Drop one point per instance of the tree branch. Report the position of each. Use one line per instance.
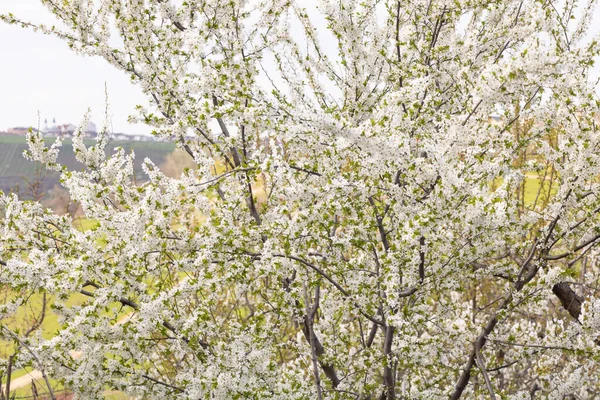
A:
(481, 366)
(570, 300)
(308, 322)
(576, 249)
(388, 371)
(331, 280)
(135, 306)
(162, 383)
(463, 381)
(37, 359)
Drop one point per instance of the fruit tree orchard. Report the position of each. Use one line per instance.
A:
(391, 199)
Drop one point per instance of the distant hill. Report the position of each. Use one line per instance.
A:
(14, 168)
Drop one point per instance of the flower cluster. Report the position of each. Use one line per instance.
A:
(391, 200)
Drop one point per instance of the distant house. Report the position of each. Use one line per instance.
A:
(120, 136)
(136, 138)
(18, 131)
(67, 130)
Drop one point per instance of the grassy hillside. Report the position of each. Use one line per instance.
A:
(15, 169)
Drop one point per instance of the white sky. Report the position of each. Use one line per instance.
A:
(40, 73)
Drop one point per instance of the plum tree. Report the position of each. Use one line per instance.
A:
(362, 176)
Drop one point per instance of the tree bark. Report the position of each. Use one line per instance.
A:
(570, 300)
(388, 372)
(328, 369)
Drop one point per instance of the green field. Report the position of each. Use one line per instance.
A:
(15, 170)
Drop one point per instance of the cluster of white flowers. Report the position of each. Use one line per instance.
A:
(362, 223)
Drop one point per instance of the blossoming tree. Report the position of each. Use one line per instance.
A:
(358, 225)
